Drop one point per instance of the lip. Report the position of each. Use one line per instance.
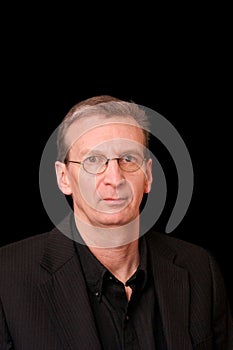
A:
(114, 198)
(115, 201)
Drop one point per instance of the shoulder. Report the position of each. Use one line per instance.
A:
(165, 241)
(24, 250)
(30, 249)
(182, 253)
(51, 248)
(200, 264)
(29, 242)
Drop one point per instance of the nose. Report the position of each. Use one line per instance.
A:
(113, 175)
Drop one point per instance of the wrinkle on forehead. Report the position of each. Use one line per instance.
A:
(83, 125)
(114, 148)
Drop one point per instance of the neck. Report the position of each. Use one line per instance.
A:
(121, 261)
(116, 248)
(108, 237)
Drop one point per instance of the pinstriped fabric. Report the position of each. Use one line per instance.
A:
(44, 303)
(171, 284)
(27, 320)
(41, 307)
(66, 298)
(201, 295)
(200, 289)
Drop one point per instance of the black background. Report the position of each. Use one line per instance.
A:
(178, 66)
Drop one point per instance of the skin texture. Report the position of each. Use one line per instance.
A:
(106, 206)
(111, 199)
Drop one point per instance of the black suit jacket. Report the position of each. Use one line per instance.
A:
(44, 303)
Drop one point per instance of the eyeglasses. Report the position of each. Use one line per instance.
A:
(97, 164)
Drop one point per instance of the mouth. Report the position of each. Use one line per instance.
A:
(111, 201)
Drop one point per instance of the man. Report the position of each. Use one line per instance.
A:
(96, 281)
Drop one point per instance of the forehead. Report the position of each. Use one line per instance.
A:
(98, 132)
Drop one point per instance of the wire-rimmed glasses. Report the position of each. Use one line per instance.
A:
(97, 164)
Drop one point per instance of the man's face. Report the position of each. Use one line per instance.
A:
(112, 198)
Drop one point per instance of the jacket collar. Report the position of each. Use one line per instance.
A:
(66, 297)
(172, 288)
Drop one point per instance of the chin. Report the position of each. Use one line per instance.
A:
(114, 220)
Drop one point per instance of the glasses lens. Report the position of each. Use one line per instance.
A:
(130, 162)
(95, 164)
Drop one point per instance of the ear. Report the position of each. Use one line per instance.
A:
(148, 176)
(62, 178)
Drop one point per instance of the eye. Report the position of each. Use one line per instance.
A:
(91, 159)
(95, 160)
(128, 158)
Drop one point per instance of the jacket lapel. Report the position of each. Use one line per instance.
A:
(172, 288)
(66, 298)
(65, 295)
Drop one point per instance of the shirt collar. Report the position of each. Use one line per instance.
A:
(95, 272)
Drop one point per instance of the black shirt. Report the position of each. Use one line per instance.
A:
(121, 324)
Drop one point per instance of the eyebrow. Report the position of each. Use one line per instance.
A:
(88, 152)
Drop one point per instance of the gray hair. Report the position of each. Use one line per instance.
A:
(113, 107)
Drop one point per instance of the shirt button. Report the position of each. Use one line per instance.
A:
(96, 294)
(110, 277)
(127, 317)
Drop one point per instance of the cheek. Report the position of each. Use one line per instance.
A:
(137, 187)
(87, 189)
(139, 190)
(90, 189)
(141, 184)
